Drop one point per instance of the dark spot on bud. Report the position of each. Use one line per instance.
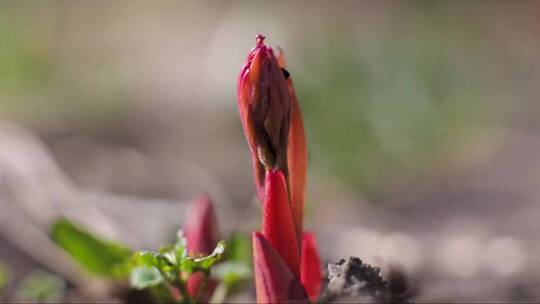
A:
(286, 73)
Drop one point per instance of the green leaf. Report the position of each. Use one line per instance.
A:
(100, 257)
(169, 256)
(144, 277)
(145, 258)
(190, 264)
(175, 253)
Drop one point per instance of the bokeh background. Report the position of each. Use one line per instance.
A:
(422, 120)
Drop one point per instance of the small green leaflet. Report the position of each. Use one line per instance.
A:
(170, 263)
(144, 277)
(190, 264)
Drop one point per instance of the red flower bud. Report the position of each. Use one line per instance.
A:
(202, 234)
(274, 129)
(264, 105)
(310, 271)
(274, 281)
(278, 225)
(201, 229)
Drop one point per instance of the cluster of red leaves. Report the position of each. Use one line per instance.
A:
(286, 263)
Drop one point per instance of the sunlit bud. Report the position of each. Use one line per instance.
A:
(264, 105)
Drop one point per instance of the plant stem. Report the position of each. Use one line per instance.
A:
(162, 292)
(178, 283)
(183, 291)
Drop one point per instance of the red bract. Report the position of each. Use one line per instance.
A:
(264, 106)
(273, 126)
(296, 155)
(202, 234)
(274, 282)
(277, 223)
(310, 271)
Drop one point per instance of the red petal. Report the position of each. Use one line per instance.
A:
(277, 225)
(274, 282)
(297, 162)
(244, 92)
(296, 155)
(310, 273)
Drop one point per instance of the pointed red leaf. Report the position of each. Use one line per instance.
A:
(310, 273)
(274, 282)
(297, 163)
(296, 155)
(277, 224)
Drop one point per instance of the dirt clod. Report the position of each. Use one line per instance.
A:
(353, 281)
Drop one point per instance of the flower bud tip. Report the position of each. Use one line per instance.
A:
(260, 39)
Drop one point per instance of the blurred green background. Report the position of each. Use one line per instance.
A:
(419, 114)
(388, 89)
